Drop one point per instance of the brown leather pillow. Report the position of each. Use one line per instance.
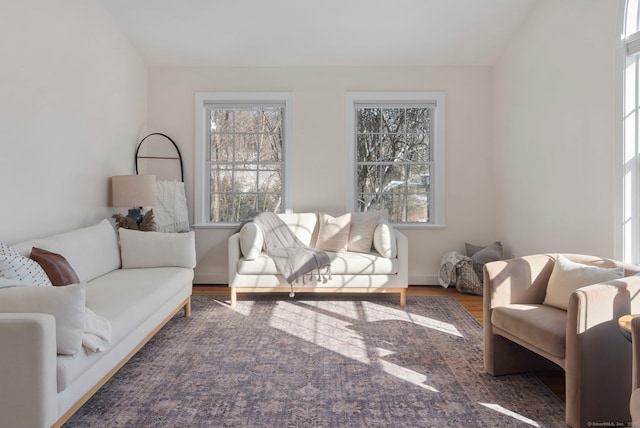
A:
(56, 266)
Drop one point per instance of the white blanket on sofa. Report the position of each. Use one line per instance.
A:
(97, 332)
(292, 258)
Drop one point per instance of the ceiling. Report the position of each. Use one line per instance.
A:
(319, 33)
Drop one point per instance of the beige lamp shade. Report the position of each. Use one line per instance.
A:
(133, 191)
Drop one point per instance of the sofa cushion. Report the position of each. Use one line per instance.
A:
(91, 251)
(567, 276)
(157, 249)
(543, 326)
(66, 304)
(251, 241)
(363, 226)
(16, 267)
(56, 267)
(127, 298)
(384, 240)
(301, 224)
(333, 232)
(341, 264)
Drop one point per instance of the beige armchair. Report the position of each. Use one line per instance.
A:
(522, 334)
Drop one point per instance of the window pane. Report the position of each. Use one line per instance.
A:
(221, 179)
(271, 148)
(269, 202)
(246, 148)
(393, 120)
(368, 120)
(245, 180)
(368, 148)
(221, 147)
(269, 180)
(247, 121)
(222, 121)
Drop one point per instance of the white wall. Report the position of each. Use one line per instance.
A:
(72, 105)
(555, 130)
(319, 145)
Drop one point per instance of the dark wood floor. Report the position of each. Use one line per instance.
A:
(473, 304)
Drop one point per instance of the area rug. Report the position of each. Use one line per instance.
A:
(318, 361)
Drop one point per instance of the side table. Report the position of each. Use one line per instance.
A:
(625, 325)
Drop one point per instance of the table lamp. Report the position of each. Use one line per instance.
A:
(133, 192)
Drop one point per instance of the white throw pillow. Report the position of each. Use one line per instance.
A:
(157, 249)
(567, 276)
(384, 240)
(333, 233)
(4, 283)
(65, 303)
(363, 226)
(15, 266)
(251, 241)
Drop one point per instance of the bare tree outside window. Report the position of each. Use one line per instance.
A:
(394, 161)
(245, 159)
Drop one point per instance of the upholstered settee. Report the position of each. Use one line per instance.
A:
(541, 314)
(54, 356)
(375, 260)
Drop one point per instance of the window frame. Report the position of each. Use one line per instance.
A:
(630, 127)
(437, 176)
(202, 190)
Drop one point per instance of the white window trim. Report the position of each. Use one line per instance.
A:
(438, 148)
(201, 188)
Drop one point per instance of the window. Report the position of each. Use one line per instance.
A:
(396, 155)
(631, 145)
(242, 143)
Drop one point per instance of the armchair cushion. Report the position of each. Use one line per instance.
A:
(542, 326)
(567, 276)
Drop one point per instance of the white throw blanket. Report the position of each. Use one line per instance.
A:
(170, 211)
(97, 332)
(457, 269)
(292, 258)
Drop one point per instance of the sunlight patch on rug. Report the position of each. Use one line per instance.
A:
(327, 331)
(510, 413)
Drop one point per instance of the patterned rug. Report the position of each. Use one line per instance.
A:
(316, 361)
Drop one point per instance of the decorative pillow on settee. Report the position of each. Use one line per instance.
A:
(363, 227)
(384, 240)
(333, 233)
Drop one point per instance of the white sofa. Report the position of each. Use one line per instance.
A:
(137, 285)
(383, 268)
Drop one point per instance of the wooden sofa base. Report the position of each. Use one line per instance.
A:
(237, 290)
(186, 304)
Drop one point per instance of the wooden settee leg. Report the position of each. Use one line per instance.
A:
(234, 296)
(403, 297)
(187, 307)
